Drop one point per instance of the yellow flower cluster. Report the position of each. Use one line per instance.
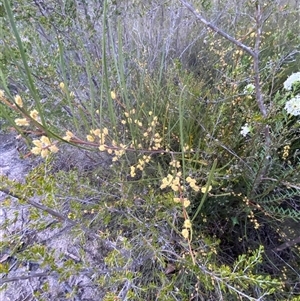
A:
(286, 151)
(187, 147)
(118, 152)
(141, 165)
(64, 90)
(72, 216)
(143, 162)
(129, 116)
(251, 215)
(187, 225)
(192, 183)
(172, 181)
(34, 114)
(154, 138)
(175, 163)
(204, 189)
(166, 181)
(69, 135)
(113, 95)
(185, 202)
(157, 139)
(132, 171)
(151, 138)
(99, 135)
(43, 147)
(253, 220)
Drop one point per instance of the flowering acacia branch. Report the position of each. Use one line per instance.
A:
(254, 53)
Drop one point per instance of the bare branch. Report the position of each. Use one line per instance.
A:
(259, 96)
(217, 29)
(23, 277)
(60, 217)
(288, 244)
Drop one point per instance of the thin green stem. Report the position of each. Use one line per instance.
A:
(27, 77)
(209, 181)
(182, 140)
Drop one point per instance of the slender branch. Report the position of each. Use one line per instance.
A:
(91, 234)
(259, 96)
(23, 277)
(217, 29)
(229, 286)
(52, 212)
(288, 244)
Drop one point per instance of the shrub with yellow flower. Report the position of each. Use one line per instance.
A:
(43, 147)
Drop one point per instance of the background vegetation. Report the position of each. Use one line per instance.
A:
(170, 158)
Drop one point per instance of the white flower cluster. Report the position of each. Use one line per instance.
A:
(249, 89)
(295, 77)
(246, 129)
(292, 106)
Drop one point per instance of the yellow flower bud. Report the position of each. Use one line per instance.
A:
(45, 140)
(36, 150)
(54, 148)
(44, 153)
(18, 100)
(187, 224)
(203, 189)
(37, 143)
(113, 95)
(102, 148)
(186, 203)
(34, 114)
(185, 233)
(21, 122)
(90, 138)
